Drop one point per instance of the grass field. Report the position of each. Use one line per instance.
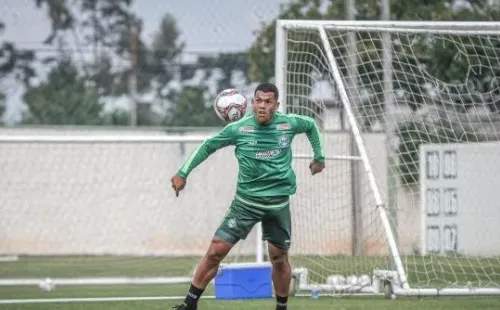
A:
(37, 267)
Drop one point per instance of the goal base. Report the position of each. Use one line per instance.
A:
(336, 284)
(382, 282)
(393, 288)
(429, 292)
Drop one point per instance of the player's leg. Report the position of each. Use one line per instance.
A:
(209, 264)
(206, 271)
(236, 225)
(277, 229)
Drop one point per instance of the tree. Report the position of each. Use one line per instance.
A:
(225, 70)
(2, 106)
(65, 99)
(119, 53)
(192, 109)
(165, 51)
(110, 25)
(228, 66)
(106, 27)
(14, 62)
(438, 56)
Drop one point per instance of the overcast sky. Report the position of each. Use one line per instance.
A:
(206, 26)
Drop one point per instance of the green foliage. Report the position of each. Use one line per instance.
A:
(103, 26)
(413, 134)
(440, 58)
(64, 99)
(112, 32)
(2, 106)
(117, 117)
(191, 109)
(228, 64)
(14, 62)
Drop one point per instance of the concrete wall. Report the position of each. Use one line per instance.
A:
(115, 198)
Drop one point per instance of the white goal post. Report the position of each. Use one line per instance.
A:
(415, 83)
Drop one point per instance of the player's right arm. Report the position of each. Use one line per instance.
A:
(222, 139)
(208, 147)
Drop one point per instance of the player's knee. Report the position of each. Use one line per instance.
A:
(280, 260)
(217, 251)
(215, 256)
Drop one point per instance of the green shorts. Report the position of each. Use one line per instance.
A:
(244, 213)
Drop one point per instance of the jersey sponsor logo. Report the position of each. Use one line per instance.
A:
(284, 141)
(267, 154)
(247, 129)
(283, 126)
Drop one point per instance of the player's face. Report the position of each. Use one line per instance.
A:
(264, 106)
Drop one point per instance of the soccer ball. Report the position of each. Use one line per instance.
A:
(47, 285)
(230, 105)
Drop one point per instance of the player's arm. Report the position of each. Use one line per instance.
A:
(209, 146)
(307, 125)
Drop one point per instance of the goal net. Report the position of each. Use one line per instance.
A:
(388, 94)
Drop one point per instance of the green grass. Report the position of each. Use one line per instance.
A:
(483, 303)
(294, 304)
(422, 269)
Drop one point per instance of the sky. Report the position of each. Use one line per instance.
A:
(207, 26)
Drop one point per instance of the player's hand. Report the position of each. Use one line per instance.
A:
(316, 167)
(178, 184)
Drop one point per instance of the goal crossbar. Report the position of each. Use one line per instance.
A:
(409, 25)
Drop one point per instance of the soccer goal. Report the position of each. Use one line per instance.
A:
(416, 106)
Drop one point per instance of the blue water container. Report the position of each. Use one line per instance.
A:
(244, 281)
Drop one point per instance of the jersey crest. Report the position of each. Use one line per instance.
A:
(284, 141)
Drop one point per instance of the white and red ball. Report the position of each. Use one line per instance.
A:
(230, 105)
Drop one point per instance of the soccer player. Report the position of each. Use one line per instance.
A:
(266, 180)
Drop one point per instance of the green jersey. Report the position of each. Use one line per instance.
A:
(263, 152)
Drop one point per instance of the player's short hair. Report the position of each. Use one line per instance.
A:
(268, 88)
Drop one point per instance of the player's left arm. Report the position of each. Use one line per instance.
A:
(307, 125)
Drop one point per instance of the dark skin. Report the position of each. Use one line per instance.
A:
(264, 105)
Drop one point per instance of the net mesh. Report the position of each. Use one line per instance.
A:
(444, 88)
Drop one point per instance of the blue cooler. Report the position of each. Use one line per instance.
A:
(244, 281)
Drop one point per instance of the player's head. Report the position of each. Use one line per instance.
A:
(265, 102)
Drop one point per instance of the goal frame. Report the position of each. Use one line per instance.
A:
(396, 281)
